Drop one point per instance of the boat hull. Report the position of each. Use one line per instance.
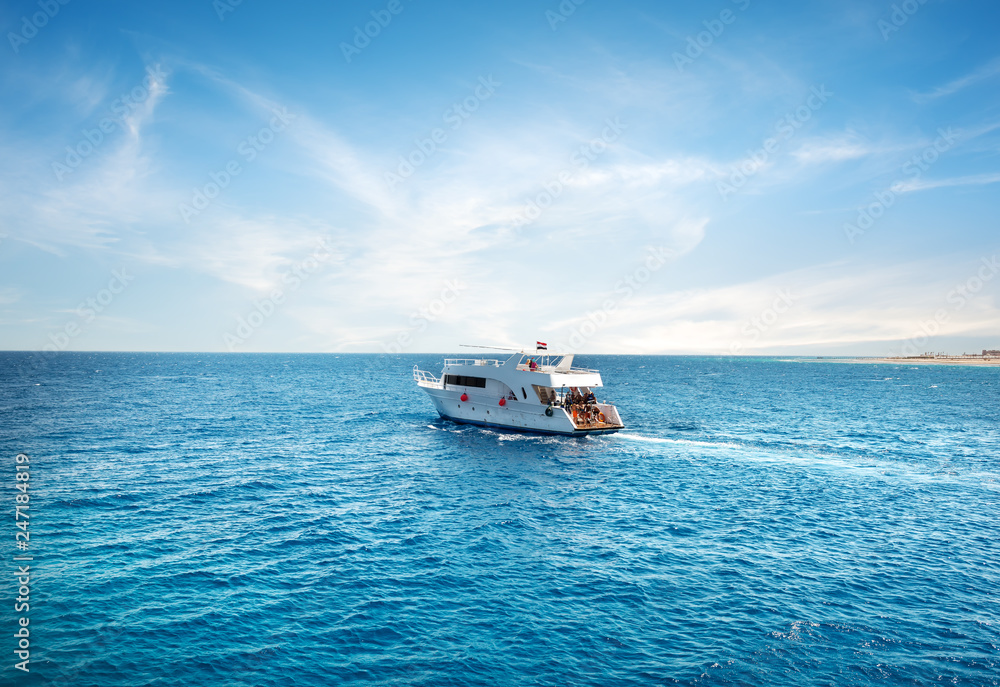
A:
(511, 428)
(519, 416)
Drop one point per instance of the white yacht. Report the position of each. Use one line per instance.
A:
(529, 392)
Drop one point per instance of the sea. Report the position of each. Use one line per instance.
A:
(277, 519)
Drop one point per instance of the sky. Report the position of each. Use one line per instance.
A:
(637, 177)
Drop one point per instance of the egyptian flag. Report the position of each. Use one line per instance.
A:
(539, 346)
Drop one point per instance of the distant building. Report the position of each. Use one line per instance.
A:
(991, 353)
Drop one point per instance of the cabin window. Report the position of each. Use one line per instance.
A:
(462, 380)
(524, 393)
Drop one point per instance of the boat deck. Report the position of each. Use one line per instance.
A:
(598, 425)
(586, 418)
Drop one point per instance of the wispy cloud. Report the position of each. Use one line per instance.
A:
(10, 295)
(987, 71)
(103, 198)
(456, 216)
(831, 305)
(820, 150)
(928, 184)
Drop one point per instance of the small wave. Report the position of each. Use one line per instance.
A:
(639, 437)
(812, 456)
(683, 442)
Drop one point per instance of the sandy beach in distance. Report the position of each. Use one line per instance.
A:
(984, 362)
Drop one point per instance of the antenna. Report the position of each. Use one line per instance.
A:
(493, 348)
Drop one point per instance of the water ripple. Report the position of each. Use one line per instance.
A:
(260, 520)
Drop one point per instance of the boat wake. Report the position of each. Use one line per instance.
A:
(821, 457)
(678, 442)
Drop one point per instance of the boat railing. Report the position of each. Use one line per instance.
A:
(423, 378)
(552, 369)
(610, 413)
(472, 361)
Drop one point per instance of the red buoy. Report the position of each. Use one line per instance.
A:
(503, 401)
(465, 397)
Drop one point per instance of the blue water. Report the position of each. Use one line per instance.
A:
(306, 519)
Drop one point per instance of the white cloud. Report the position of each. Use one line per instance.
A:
(9, 295)
(928, 184)
(92, 203)
(835, 149)
(987, 71)
(452, 220)
(823, 306)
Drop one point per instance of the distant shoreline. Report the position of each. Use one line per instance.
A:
(981, 362)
